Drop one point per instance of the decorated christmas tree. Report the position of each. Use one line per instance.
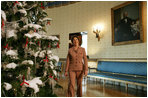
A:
(28, 64)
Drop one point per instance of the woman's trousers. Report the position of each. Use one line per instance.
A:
(73, 76)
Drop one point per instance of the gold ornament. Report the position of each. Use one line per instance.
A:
(31, 31)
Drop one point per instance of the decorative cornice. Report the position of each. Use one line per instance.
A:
(52, 4)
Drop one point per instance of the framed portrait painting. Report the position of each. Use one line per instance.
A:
(127, 23)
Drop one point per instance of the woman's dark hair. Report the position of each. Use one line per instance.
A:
(74, 37)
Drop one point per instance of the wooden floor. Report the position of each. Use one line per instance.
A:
(93, 89)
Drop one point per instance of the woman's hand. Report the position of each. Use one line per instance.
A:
(85, 73)
(66, 74)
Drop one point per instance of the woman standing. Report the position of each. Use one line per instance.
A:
(76, 66)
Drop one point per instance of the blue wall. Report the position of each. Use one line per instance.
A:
(138, 68)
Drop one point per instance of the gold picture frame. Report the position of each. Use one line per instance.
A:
(126, 22)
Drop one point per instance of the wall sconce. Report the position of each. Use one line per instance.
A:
(97, 29)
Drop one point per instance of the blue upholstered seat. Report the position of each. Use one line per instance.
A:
(127, 71)
(133, 78)
(137, 68)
